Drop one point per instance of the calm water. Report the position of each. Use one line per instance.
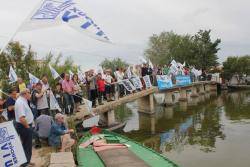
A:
(216, 132)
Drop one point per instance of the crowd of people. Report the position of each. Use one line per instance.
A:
(28, 106)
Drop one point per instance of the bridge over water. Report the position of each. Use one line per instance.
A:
(146, 100)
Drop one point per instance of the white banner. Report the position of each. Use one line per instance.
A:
(128, 85)
(12, 75)
(137, 83)
(11, 150)
(147, 81)
(129, 73)
(53, 13)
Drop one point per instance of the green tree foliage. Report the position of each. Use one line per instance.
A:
(236, 65)
(25, 60)
(113, 64)
(198, 50)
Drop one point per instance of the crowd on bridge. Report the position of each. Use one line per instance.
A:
(38, 110)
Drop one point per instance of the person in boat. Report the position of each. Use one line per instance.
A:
(59, 136)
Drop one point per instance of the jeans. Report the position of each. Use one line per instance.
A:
(92, 96)
(68, 103)
(26, 138)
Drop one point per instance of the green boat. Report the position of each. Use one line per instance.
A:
(134, 155)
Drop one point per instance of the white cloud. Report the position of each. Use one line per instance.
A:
(129, 23)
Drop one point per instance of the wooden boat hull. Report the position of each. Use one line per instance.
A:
(87, 157)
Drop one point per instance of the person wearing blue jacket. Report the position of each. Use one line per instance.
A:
(60, 135)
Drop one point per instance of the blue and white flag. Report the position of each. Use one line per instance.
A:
(12, 75)
(53, 103)
(54, 74)
(57, 12)
(33, 79)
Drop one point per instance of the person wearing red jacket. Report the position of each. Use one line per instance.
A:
(101, 88)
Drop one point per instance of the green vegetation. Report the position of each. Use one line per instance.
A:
(113, 64)
(25, 60)
(236, 65)
(198, 49)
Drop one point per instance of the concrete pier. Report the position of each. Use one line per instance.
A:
(169, 99)
(183, 94)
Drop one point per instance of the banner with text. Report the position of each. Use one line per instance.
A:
(183, 80)
(11, 150)
(164, 82)
(147, 81)
(137, 82)
(128, 85)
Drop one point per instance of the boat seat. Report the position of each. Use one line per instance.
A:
(121, 157)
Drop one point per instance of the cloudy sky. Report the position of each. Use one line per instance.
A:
(129, 24)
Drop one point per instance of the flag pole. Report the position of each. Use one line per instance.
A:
(18, 28)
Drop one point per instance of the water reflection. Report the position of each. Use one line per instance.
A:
(173, 128)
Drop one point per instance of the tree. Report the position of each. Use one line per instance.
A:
(113, 64)
(236, 65)
(205, 50)
(196, 50)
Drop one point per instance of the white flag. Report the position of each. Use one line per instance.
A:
(53, 13)
(12, 75)
(71, 74)
(150, 64)
(33, 79)
(142, 60)
(53, 72)
(12, 153)
(53, 102)
(81, 76)
(184, 64)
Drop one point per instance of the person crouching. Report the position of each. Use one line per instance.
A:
(59, 135)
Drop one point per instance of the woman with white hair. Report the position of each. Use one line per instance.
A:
(60, 135)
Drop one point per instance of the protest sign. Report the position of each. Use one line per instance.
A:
(164, 82)
(137, 82)
(11, 150)
(183, 80)
(128, 85)
(147, 81)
